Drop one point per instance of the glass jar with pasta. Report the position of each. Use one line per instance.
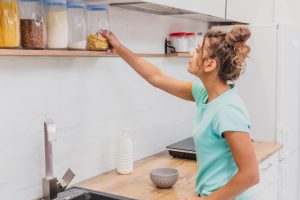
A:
(98, 19)
(9, 24)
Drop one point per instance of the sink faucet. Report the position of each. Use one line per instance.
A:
(51, 185)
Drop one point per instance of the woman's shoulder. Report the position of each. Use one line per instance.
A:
(234, 98)
(233, 102)
(232, 115)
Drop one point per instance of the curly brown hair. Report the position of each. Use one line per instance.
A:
(229, 49)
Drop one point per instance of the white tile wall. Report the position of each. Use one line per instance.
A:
(90, 99)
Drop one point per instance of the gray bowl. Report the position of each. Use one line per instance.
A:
(164, 177)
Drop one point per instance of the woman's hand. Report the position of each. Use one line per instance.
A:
(113, 40)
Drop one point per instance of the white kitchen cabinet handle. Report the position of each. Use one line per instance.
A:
(267, 167)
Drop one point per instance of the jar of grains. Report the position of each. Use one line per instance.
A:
(33, 25)
(77, 25)
(98, 19)
(9, 24)
(57, 24)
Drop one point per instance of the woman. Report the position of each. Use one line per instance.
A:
(227, 164)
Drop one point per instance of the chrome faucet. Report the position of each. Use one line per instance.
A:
(51, 185)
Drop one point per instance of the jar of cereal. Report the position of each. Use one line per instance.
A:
(98, 19)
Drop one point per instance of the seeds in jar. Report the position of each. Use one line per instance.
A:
(32, 34)
(97, 42)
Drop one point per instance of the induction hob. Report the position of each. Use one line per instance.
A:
(183, 149)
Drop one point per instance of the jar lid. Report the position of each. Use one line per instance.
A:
(177, 34)
(94, 7)
(55, 2)
(190, 34)
(75, 5)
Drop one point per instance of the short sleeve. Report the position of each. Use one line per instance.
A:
(199, 92)
(232, 118)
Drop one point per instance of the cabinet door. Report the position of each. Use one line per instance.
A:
(288, 178)
(257, 86)
(209, 7)
(268, 186)
(254, 11)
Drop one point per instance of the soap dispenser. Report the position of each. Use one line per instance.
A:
(125, 154)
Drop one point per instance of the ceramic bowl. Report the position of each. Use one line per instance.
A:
(164, 177)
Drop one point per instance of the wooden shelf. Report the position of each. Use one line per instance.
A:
(72, 53)
(177, 55)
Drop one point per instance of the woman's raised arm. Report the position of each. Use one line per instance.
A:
(150, 72)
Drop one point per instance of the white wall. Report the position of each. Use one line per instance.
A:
(287, 12)
(90, 99)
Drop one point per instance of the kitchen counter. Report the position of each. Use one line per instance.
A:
(139, 186)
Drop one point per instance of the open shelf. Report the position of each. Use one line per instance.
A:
(79, 53)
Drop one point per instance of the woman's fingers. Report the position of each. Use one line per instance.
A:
(111, 37)
(105, 33)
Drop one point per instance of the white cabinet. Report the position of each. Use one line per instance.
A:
(208, 7)
(268, 185)
(254, 11)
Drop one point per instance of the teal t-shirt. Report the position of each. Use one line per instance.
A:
(215, 162)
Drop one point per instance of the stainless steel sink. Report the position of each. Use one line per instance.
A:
(76, 193)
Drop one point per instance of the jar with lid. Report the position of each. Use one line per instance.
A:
(57, 24)
(98, 19)
(77, 25)
(33, 24)
(9, 24)
(178, 41)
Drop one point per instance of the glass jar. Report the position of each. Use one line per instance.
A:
(57, 24)
(190, 41)
(77, 25)
(9, 24)
(98, 19)
(198, 39)
(33, 26)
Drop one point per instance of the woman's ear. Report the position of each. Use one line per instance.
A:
(210, 65)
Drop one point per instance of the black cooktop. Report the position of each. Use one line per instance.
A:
(183, 149)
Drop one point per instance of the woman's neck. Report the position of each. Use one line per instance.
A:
(215, 87)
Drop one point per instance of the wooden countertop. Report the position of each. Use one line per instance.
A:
(139, 186)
